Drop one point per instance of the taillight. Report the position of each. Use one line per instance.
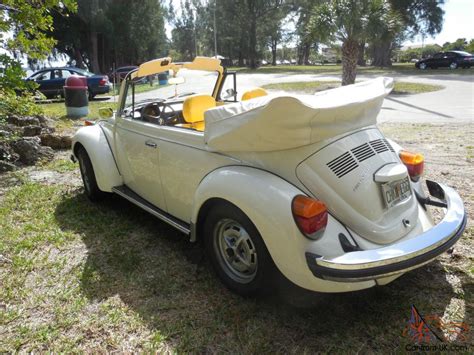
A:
(311, 215)
(89, 123)
(414, 163)
(103, 81)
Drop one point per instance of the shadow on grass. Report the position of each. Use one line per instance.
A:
(154, 271)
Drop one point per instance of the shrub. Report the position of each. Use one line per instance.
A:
(21, 105)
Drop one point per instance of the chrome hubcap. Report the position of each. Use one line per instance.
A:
(235, 250)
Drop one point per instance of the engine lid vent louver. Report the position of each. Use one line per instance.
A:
(349, 160)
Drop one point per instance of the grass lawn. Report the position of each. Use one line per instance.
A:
(397, 68)
(82, 277)
(310, 87)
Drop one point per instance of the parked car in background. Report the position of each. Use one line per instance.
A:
(52, 80)
(451, 59)
(120, 73)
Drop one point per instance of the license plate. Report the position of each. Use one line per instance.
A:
(396, 191)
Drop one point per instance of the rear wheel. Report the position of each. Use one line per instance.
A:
(90, 94)
(91, 188)
(237, 252)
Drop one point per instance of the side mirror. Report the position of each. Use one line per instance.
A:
(177, 80)
(106, 112)
(229, 93)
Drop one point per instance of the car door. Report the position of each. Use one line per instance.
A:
(137, 145)
(43, 79)
(58, 80)
(184, 162)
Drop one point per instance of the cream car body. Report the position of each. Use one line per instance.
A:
(179, 174)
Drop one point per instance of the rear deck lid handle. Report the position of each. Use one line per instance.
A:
(391, 172)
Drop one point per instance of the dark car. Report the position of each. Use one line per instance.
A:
(451, 59)
(52, 80)
(119, 74)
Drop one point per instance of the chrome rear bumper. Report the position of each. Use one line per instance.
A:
(398, 257)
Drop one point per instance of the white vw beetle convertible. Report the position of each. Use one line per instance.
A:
(300, 185)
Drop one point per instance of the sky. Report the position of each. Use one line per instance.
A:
(458, 23)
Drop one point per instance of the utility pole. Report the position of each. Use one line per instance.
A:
(215, 29)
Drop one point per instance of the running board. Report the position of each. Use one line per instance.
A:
(131, 196)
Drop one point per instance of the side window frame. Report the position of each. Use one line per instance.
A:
(228, 74)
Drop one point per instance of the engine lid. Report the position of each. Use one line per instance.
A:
(364, 184)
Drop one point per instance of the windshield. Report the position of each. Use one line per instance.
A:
(463, 53)
(192, 82)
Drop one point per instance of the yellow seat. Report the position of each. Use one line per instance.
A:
(193, 111)
(252, 94)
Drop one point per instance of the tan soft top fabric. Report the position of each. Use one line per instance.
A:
(278, 122)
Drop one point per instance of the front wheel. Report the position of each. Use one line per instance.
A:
(91, 188)
(237, 252)
(453, 65)
(423, 66)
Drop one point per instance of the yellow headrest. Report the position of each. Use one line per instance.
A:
(252, 94)
(195, 106)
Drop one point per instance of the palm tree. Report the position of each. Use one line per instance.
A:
(351, 22)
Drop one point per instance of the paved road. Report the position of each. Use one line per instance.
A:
(454, 103)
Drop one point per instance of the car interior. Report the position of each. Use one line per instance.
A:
(187, 113)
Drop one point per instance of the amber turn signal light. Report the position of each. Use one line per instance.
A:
(414, 163)
(310, 215)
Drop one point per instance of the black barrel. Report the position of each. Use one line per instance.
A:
(76, 96)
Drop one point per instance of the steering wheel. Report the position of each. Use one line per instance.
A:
(153, 112)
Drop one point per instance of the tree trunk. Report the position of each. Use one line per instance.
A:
(253, 42)
(274, 52)
(361, 59)
(300, 54)
(241, 59)
(350, 52)
(94, 53)
(306, 52)
(382, 54)
(78, 58)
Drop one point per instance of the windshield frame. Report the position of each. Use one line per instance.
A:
(128, 83)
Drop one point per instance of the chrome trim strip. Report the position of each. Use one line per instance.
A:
(154, 212)
(440, 234)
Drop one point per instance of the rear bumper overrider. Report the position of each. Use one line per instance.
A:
(398, 257)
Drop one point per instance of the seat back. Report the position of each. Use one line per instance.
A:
(252, 94)
(195, 106)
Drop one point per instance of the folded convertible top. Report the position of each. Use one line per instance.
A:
(279, 122)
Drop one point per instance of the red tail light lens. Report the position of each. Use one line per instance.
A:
(311, 215)
(414, 162)
(103, 81)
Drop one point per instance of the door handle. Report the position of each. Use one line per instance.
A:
(150, 144)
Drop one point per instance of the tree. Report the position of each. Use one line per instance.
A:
(350, 22)
(458, 45)
(307, 38)
(470, 47)
(415, 17)
(107, 32)
(26, 21)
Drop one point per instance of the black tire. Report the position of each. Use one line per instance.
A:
(90, 94)
(453, 65)
(91, 189)
(250, 284)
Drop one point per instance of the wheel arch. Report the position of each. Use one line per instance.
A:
(96, 144)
